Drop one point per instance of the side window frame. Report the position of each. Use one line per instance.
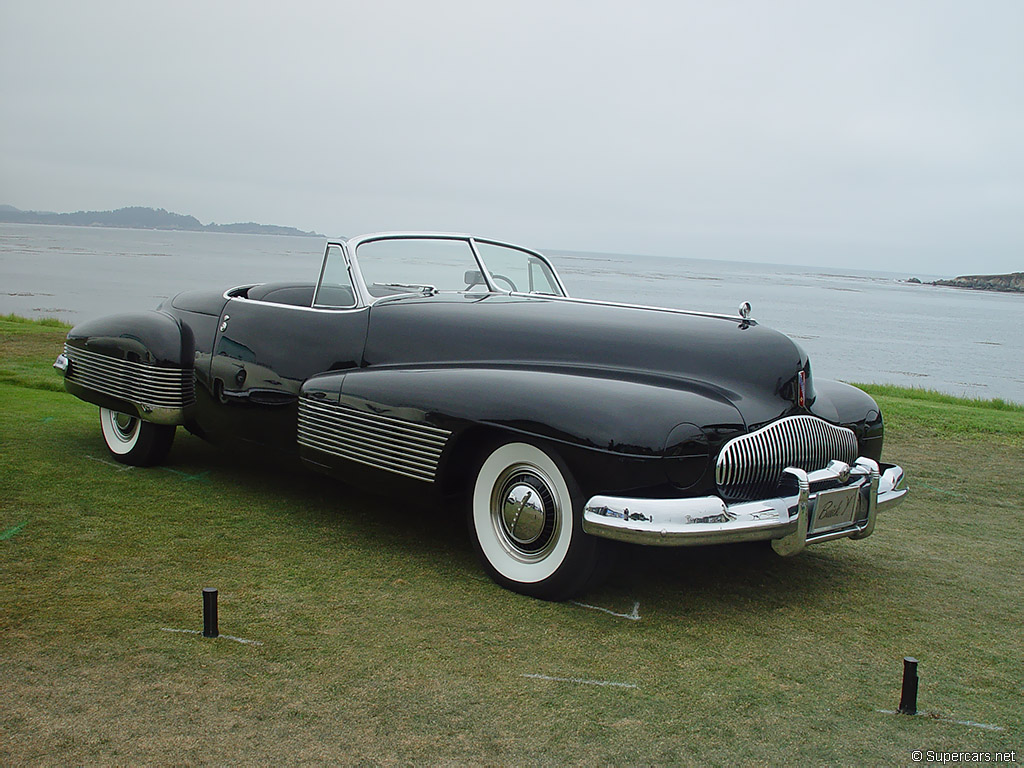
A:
(343, 252)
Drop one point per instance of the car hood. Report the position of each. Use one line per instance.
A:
(751, 366)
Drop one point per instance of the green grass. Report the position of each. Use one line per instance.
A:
(29, 349)
(933, 396)
(923, 412)
(28, 323)
(382, 642)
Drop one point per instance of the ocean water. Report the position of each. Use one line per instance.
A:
(856, 325)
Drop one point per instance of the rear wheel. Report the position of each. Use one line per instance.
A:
(131, 440)
(526, 524)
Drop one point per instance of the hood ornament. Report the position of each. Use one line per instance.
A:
(745, 310)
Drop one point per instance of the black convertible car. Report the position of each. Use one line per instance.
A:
(456, 364)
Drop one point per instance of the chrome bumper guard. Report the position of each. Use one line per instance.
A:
(789, 521)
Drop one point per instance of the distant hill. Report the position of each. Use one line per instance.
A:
(1011, 283)
(142, 218)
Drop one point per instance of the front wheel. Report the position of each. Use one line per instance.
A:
(524, 524)
(131, 440)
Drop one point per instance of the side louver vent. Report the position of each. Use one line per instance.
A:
(396, 445)
(141, 383)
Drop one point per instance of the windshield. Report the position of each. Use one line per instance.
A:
(396, 265)
(426, 265)
(513, 269)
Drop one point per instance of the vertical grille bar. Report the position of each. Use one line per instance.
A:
(750, 466)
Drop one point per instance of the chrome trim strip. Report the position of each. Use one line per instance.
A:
(416, 451)
(370, 459)
(123, 366)
(145, 385)
(334, 429)
(751, 466)
(361, 443)
(321, 308)
(383, 442)
(783, 519)
(418, 429)
(672, 310)
(105, 388)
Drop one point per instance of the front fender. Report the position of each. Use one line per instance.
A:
(850, 407)
(603, 425)
(139, 363)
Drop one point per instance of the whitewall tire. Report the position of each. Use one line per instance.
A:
(133, 441)
(525, 522)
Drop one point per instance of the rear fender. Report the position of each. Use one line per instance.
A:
(140, 364)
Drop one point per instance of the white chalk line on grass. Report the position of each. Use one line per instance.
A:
(968, 723)
(580, 680)
(118, 467)
(241, 640)
(633, 615)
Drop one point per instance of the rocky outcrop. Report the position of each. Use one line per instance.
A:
(1011, 283)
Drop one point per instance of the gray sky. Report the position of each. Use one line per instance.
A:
(884, 135)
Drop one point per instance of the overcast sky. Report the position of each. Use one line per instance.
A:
(887, 135)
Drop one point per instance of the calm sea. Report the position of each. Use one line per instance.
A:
(857, 326)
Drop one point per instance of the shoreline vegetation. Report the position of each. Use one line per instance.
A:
(362, 616)
(137, 217)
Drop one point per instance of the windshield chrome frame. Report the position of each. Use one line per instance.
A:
(529, 252)
(365, 298)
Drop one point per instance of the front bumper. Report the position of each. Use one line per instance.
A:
(791, 521)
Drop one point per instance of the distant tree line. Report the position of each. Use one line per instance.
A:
(137, 217)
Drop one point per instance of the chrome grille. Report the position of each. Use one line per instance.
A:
(750, 466)
(396, 445)
(140, 383)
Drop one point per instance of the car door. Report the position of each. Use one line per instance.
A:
(265, 350)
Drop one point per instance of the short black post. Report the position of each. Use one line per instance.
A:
(908, 697)
(210, 612)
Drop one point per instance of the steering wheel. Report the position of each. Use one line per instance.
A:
(512, 286)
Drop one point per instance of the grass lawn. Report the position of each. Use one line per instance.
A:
(382, 642)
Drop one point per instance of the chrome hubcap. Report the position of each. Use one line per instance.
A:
(525, 512)
(124, 425)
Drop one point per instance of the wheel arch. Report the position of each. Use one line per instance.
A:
(463, 454)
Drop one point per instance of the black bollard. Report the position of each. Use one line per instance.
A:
(908, 697)
(210, 612)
